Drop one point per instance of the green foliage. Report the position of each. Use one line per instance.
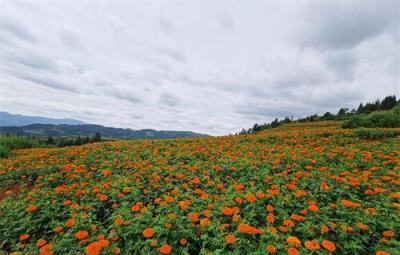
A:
(384, 119)
(9, 142)
(366, 133)
(353, 118)
(4, 151)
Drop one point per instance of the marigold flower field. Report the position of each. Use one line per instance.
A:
(298, 189)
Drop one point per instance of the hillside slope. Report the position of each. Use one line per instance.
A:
(90, 130)
(302, 188)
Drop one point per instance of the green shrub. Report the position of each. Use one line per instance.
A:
(366, 133)
(4, 151)
(10, 142)
(384, 119)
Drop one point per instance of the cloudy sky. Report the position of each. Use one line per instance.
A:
(206, 66)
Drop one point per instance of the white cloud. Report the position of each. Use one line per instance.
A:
(211, 67)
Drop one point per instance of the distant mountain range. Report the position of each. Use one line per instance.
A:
(69, 127)
(17, 120)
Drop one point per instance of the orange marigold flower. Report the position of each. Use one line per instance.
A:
(313, 208)
(93, 248)
(324, 186)
(388, 233)
(324, 229)
(58, 229)
(362, 226)
(67, 202)
(239, 200)
(31, 208)
(119, 221)
(106, 172)
(271, 249)
(288, 223)
(183, 242)
(330, 246)
(230, 239)
(349, 203)
(104, 243)
(247, 229)
(193, 217)
(270, 208)
(270, 218)
(382, 253)
(103, 198)
(239, 187)
(297, 217)
(165, 249)
(250, 197)
(46, 250)
(23, 237)
(227, 211)
(126, 190)
(312, 245)
(169, 199)
(69, 223)
(116, 250)
(293, 241)
(40, 242)
(292, 251)
(148, 232)
(135, 208)
(80, 235)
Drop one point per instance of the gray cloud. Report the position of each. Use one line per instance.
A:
(169, 99)
(70, 38)
(226, 21)
(211, 67)
(166, 25)
(16, 28)
(344, 24)
(172, 53)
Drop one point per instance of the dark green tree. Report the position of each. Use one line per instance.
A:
(388, 103)
(342, 111)
(96, 137)
(78, 141)
(50, 140)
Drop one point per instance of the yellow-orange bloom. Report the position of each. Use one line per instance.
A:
(80, 235)
(227, 211)
(230, 239)
(193, 217)
(148, 232)
(23, 237)
(293, 241)
(31, 208)
(165, 249)
(382, 253)
(292, 251)
(312, 245)
(330, 246)
(93, 248)
(40, 242)
(271, 249)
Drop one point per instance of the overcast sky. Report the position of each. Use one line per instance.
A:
(206, 66)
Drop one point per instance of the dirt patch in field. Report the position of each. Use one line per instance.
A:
(12, 190)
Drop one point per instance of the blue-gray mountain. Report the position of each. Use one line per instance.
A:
(8, 119)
